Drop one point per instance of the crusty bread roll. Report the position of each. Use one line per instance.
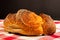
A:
(28, 23)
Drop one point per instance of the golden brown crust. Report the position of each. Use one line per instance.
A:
(49, 26)
(17, 23)
(28, 23)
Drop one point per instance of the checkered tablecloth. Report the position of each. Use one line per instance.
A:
(6, 36)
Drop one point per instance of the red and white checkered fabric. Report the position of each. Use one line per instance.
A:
(6, 36)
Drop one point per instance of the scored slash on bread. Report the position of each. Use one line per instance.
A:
(28, 23)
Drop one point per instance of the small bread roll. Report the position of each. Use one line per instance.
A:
(49, 26)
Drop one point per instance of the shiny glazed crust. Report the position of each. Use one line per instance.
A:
(28, 23)
(49, 26)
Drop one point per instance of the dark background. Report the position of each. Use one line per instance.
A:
(51, 7)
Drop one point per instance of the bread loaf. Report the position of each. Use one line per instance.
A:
(27, 22)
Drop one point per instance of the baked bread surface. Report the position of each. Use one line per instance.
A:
(29, 23)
